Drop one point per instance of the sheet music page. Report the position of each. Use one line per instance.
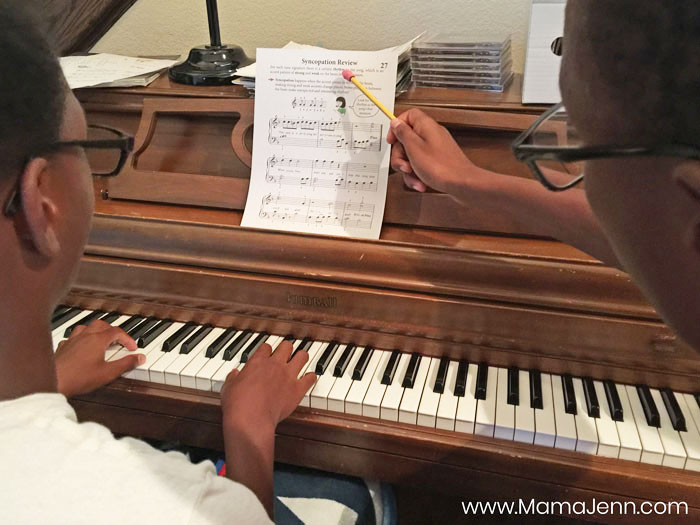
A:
(320, 158)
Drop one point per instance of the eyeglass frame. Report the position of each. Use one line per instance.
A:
(531, 153)
(123, 142)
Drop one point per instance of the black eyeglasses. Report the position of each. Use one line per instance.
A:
(555, 154)
(106, 149)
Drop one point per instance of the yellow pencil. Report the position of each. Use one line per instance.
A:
(350, 77)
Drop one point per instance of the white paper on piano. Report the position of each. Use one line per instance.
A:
(541, 77)
(320, 158)
(103, 68)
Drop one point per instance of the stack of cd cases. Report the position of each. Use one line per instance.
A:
(452, 60)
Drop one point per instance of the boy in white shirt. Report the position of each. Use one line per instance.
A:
(55, 470)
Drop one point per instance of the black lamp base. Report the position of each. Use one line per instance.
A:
(209, 66)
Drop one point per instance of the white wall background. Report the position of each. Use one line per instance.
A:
(170, 27)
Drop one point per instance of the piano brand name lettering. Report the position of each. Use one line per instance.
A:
(312, 300)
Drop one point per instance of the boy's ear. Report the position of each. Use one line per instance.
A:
(38, 212)
(687, 176)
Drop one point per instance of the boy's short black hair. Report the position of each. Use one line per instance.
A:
(32, 87)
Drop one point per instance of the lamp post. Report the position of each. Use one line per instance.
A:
(213, 64)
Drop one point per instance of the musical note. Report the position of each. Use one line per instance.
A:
(335, 134)
(322, 173)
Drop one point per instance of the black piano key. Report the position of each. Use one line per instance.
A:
(674, 411)
(536, 389)
(513, 386)
(567, 384)
(362, 363)
(253, 346)
(150, 336)
(482, 378)
(249, 347)
(131, 322)
(304, 345)
(441, 377)
(342, 364)
(697, 398)
(651, 413)
(143, 327)
(59, 311)
(64, 318)
(461, 380)
(326, 358)
(221, 341)
(239, 343)
(390, 368)
(409, 377)
(84, 321)
(613, 401)
(289, 337)
(179, 336)
(111, 317)
(589, 393)
(195, 339)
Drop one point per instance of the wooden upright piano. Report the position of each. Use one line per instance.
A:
(442, 282)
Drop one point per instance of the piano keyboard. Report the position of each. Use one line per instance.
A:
(631, 422)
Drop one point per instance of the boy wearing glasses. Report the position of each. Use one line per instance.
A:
(629, 83)
(55, 470)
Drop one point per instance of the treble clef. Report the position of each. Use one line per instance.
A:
(267, 199)
(272, 161)
(274, 122)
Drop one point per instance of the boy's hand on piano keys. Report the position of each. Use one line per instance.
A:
(426, 155)
(267, 390)
(80, 359)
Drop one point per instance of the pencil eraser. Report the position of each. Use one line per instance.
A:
(347, 74)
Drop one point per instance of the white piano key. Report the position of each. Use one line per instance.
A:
(172, 372)
(57, 334)
(219, 377)
(324, 384)
(113, 349)
(153, 352)
(505, 413)
(524, 413)
(389, 408)
(652, 449)
(447, 410)
(408, 409)
(466, 408)
(203, 377)
(428, 407)
(341, 387)
(630, 443)
(486, 408)
(310, 367)
(565, 423)
(586, 430)
(693, 408)
(358, 389)
(375, 392)
(156, 372)
(608, 439)
(188, 374)
(691, 438)
(545, 421)
(674, 451)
